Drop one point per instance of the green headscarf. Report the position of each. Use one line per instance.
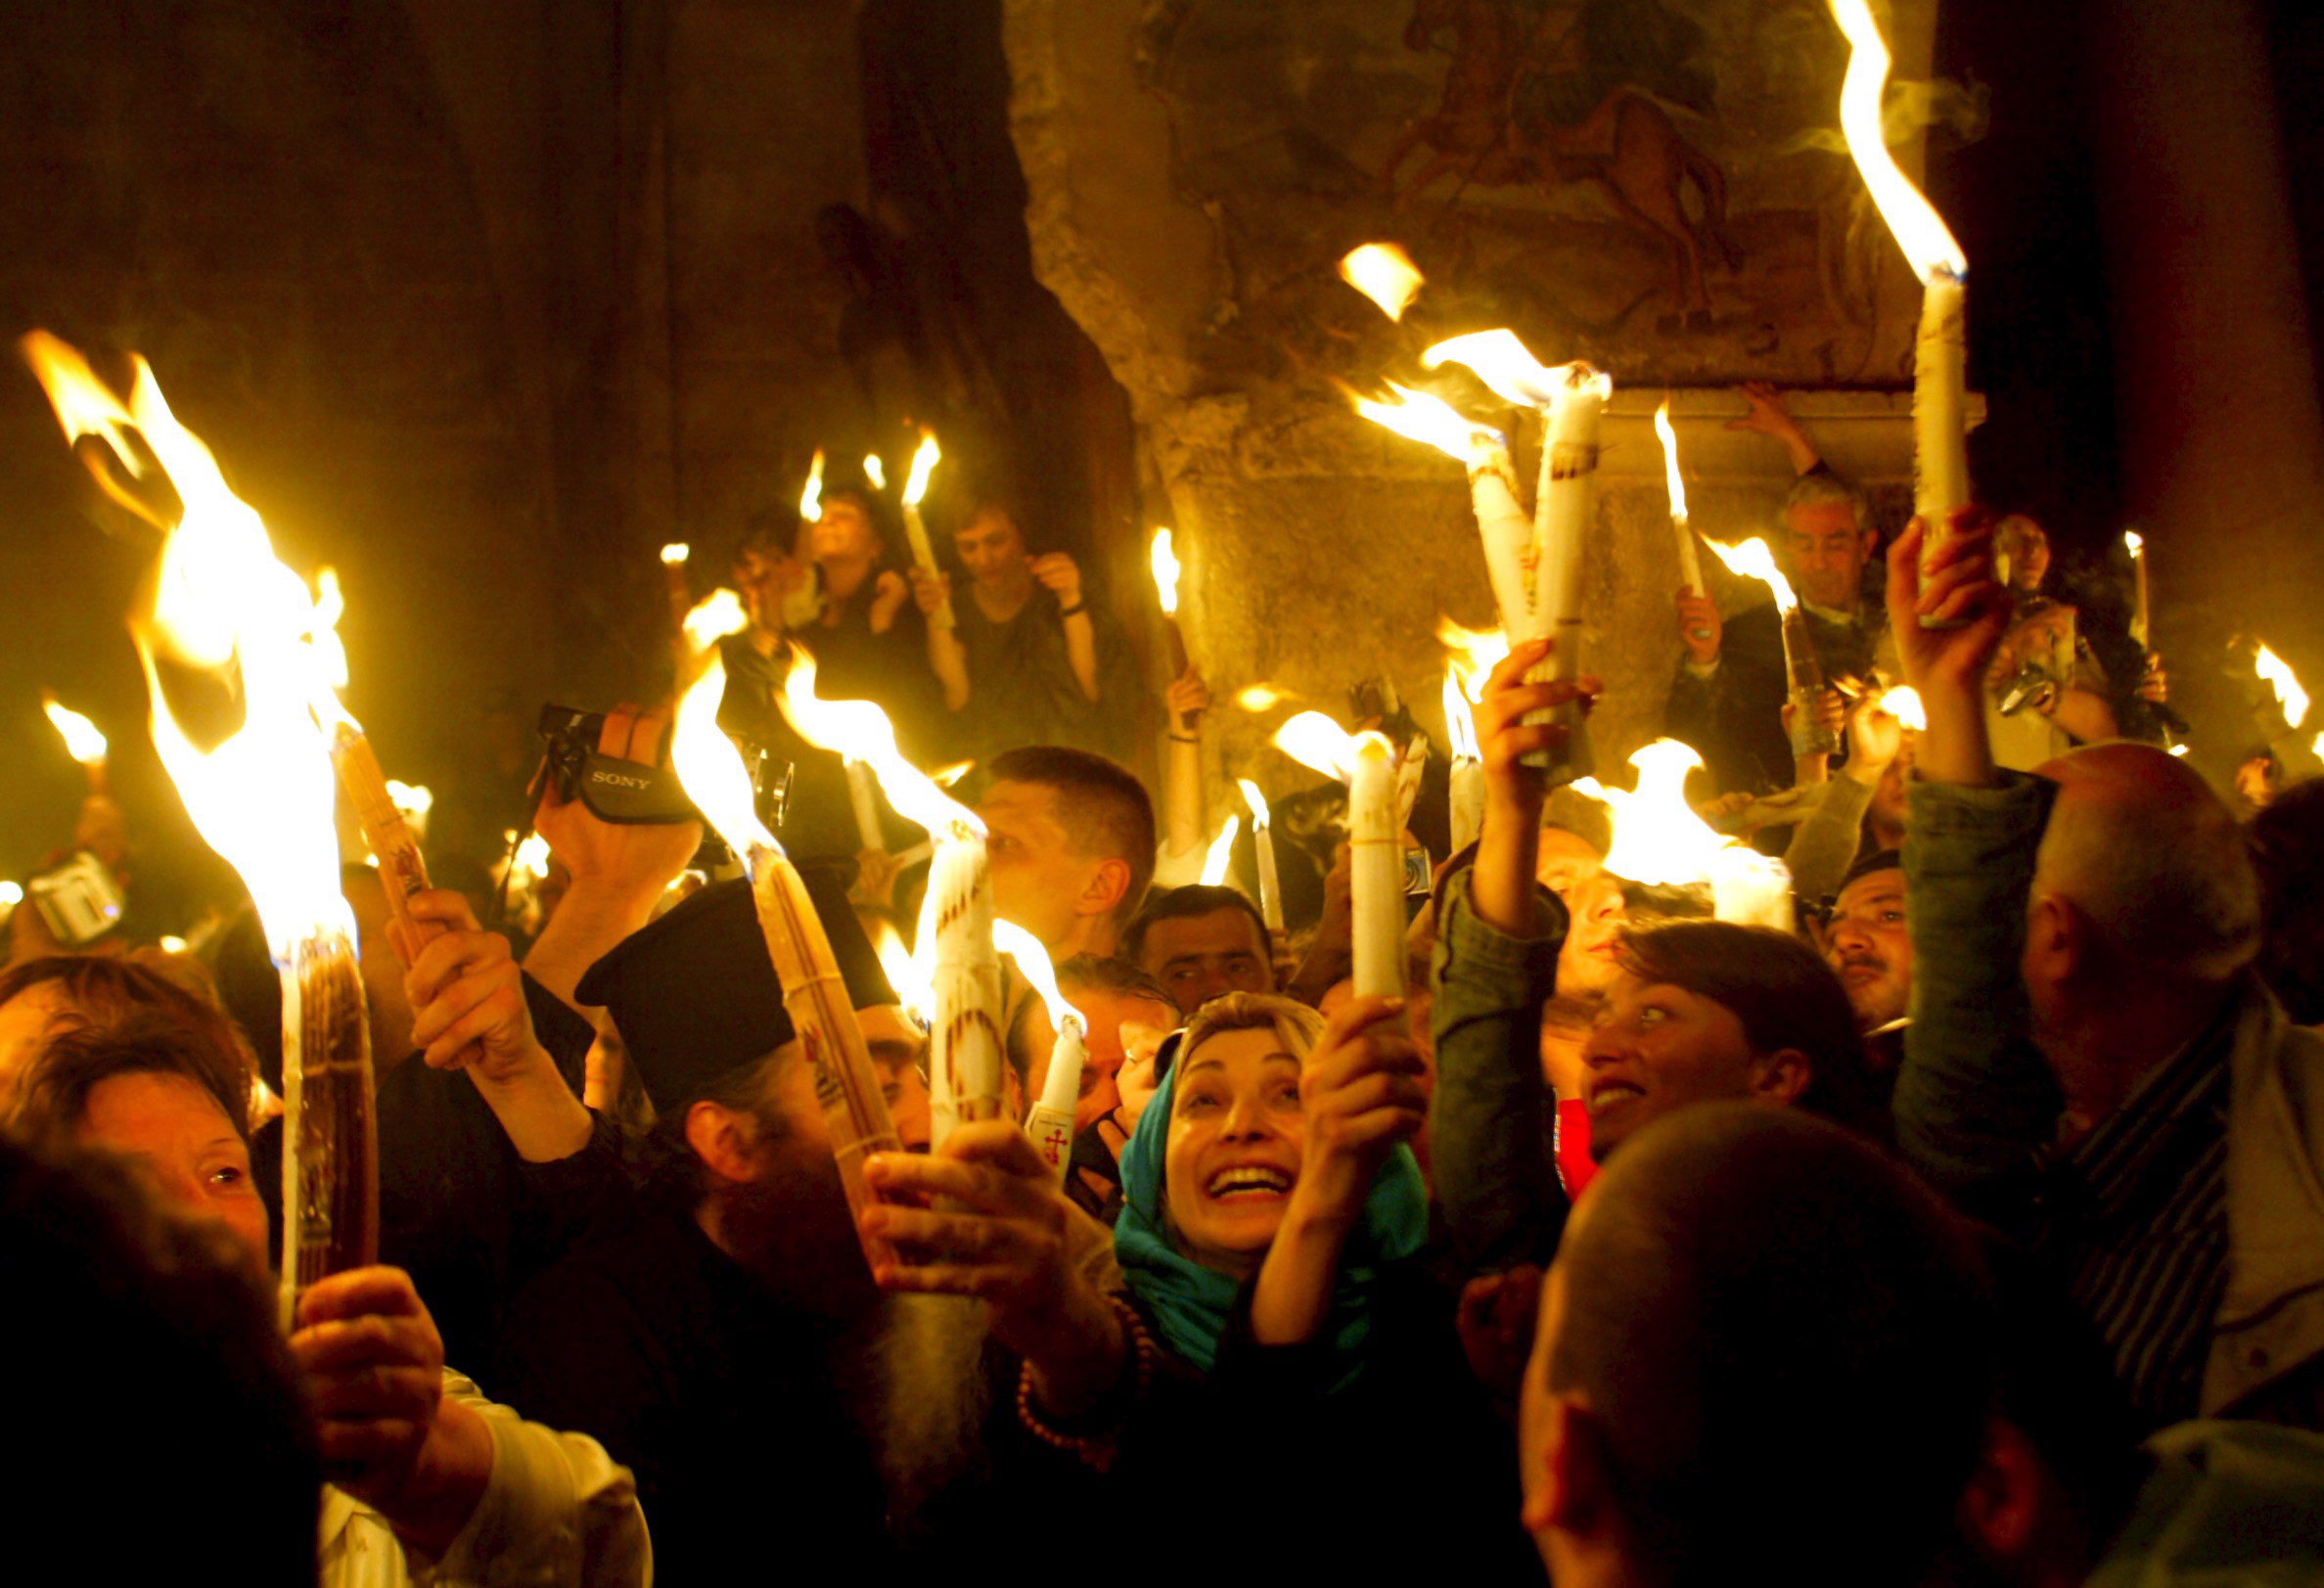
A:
(1189, 1303)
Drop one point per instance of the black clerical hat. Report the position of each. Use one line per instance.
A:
(695, 997)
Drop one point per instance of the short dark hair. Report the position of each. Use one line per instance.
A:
(54, 1097)
(1184, 904)
(1879, 860)
(1121, 978)
(135, 1316)
(106, 994)
(1760, 1306)
(1102, 805)
(1782, 991)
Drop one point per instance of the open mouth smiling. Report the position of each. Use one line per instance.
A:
(1247, 1182)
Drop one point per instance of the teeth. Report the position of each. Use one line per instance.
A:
(1227, 1181)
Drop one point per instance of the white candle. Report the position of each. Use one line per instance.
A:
(863, 793)
(923, 555)
(1050, 1123)
(1376, 869)
(966, 1082)
(1564, 512)
(1466, 782)
(1690, 560)
(1939, 428)
(1262, 835)
(2140, 616)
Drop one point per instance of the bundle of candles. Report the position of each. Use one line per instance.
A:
(1810, 734)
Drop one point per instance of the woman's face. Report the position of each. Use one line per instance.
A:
(1233, 1156)
(1576, 873)
(1652, 1050)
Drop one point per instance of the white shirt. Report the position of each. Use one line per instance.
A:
(557, 1513)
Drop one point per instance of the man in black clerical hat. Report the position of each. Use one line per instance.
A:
(726, 1342)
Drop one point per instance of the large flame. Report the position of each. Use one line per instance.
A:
(1671, 481)
(2278, 673)
(263, 796)
(1914, 222)
(1476, 652)
(1752, 559)
(1903, 703)
(1032, 962)
(1658, 839)
(1316, 741)
(861, 731)
(1505, 364)
(1459, 725)
(924, 464)
(1383, 273)
(1163, 559)
(710, 769)
(82, 741)
(1424, 417)
(714, 618)
(1221, 852)
(810, 497)
(1260, 815)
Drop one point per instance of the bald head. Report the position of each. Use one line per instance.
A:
(1780, 1343)
(2153, 860)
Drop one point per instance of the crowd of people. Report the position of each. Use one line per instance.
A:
(1970, 1233)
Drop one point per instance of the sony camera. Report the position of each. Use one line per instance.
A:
(632, 792)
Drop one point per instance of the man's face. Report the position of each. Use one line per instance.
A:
(1117, 1022)
(843, 535)
(1867, 944)
(990, 547)
(1201, 955)
(1038, 879)
(1576, 873)
(177, 1129)
(1652, 1049)
(899, 1051)
(1828, 553)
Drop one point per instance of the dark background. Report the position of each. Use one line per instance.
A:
(481, 302)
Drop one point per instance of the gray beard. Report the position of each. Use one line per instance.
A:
(920, 1396)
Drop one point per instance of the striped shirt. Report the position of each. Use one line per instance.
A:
(2140, 1231)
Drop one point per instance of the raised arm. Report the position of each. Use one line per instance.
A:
(947, 658)
(1062, 577)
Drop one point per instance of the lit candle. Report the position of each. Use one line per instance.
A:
(967, 1068)
(1162, 559)
(82, 741)
(924, 554)
(810, 497)
(1941, 429)
(1467, 782)
(2140, 616)
(1690, 561)
(1375, 841)
(863, 793)
(814, 992)
(1221, 852)
(1810, 736)
(674, 579)
(1050, 1120)
(1262, 836)
(262, 797)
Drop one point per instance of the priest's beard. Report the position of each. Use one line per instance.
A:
(907, 1368)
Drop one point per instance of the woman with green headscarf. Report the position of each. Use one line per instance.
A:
(1271, 1233)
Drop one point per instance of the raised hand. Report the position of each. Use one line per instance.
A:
(1188, 697)
(930, 591)
(1495, 1320)
(1361, 1093)
(1766, 414)
(889, 596)
(1503, 736)
(466, 990)
(1947, 666)
(1699, 625)
(629, 859)
(1061, 576)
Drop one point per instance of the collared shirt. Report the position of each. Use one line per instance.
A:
(2142, 1232)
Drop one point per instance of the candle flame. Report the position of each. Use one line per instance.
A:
(913, 989)
(1671, 481)
(533, 857)
(710, 769)
(1383, 273)
(11, 894)
(1476, 652)
(1032, 962)
(1515, 375)
(1317, 743)
(1460, 727)
(714, 618)
(810, 497)
(2278, 673)
(82, 741)
(1258, 697)
(1903, 703)
(924, 464)
(1658, 839)
(945, 777)
(1912, 220)
(1261, 816)
(1165, 561)
(86, 406)
(1420, 417)
(1221, 852)
(872, 470)
(1752, 559)
(264, 795)
(2135, 543)
(674, 554)
(861, 731)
